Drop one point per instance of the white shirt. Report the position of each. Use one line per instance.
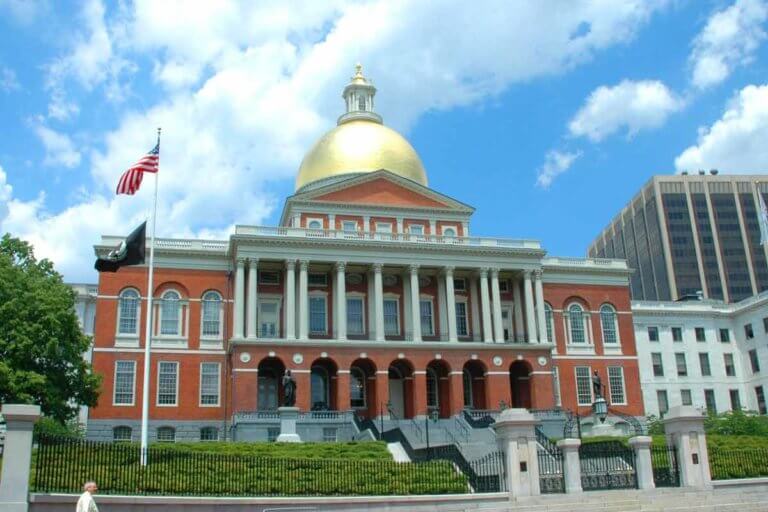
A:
(86, 503)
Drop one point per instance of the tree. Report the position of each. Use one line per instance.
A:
(41, 344)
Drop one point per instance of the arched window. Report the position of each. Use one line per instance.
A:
(315, 224)
(608, 323)
(357, 388)
(122, 434)
(576, 317)
(209, 434)
(549, 321)
(211, 314)
(449, 232)
(128, 311)
(166, 434)
(319, 385)
(433, 399)
(466, 379)
(170, 313)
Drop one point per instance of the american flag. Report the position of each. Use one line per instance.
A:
(130, 181)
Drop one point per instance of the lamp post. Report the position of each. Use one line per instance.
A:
(600, 409)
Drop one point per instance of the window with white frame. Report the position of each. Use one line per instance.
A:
(357, 386)
(128, 311)
(317, 279)
(685, 397)
(167, 383)
(616, 384)
(556, 386)
(318, 315)
(549, 320)
(391, 317)
(459, 284)
(583, 385)
(330, 434)
(433, 398)
(211, 305)
(269, 277)
(122, 433)
(269, 317)
(503, 285)
(209, 384)
(170, 314)
(355, 318)
(576, 319)
(125, 382)
(416, 229)
(166, 434)
(608, 323)
(349, 225)
(462, 328)
(427, 319)
(449, 231)
(383, 227)
(209, 434)
(315, 223)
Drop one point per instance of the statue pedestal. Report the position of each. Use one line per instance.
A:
(288, 417)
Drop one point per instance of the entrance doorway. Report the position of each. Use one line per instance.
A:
(271, 372)
(400, 387)
(520, 383)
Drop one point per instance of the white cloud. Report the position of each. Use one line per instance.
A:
(728, 40)
(736, 143)
(555, 163)
(250, 86)
(6, 192)
(59, 149)
(630, 105)
(8, 80)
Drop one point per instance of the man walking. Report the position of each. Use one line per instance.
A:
(86, 502)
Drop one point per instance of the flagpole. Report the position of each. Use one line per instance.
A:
(148, 332)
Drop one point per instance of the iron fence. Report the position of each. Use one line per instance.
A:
(62, 465)
(666, 472)
(489, 473)
(551, 476)
(609, 465)
(726, 463)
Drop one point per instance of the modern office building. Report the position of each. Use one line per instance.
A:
(691, 233)
(703, 353)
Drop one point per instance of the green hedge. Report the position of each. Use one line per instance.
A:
(185, 470)
(350, 450)
(725, 463)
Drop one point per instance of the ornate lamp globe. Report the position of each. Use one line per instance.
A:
(600, 409)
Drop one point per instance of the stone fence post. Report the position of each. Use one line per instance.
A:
(516, 433)
(643, 464)
(571, 464)
(17, 456)
(684, 427)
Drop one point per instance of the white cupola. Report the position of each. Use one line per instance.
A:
(358, 97)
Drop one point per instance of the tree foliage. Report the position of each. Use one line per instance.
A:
(41, 343)
(736, 423)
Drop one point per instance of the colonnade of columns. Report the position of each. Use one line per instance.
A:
(528, 296)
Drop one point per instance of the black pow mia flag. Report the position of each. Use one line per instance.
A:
(129, 252)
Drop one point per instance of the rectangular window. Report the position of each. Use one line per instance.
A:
(329, 434)
(427, 323)
(701, 335)
(349, 225)
(355, 315)
(749, 333)
(677, 334)
(169, 317)
(685, 395)
(583, 385)
(317, 279)
(125, 382)
(765, 325)
(269, 277)
(709, 401)
(760, 395)
(730, 370)
(661, 397)
(706, 370)
(272, 434)
(269, 318)
(384, 227)
(209, 383)
(653, 334)
(211, 317)
(658, 365)
(391, 317)
(556, 386)
(735, 399)
(682, 368)
(754, 361)
(503, 285)
(459, 284)
(725, 335)
(616, 384)
(318, 315)
(167, 382)
(461, 319)
(416, 229)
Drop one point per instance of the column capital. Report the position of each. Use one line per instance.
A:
(448, 271)
(483, 272)
(341, 266)
(377, 267)
(304, 265)
(527, 274)
(413, 268)
(252, 262)
(290, 264)
(537, 273)
(240, 261)
(494, 272)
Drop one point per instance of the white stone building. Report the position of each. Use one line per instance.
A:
(703, 353)
(85, 308)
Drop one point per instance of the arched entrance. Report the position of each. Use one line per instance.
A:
(362, 388)
(271, 370)
(520, 384)
(401, 388)
(473, 383)
(322, 382)
(438, 388)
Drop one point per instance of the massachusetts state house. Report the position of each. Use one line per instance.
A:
(377, 296)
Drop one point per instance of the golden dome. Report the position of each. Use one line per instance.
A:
(359, 146)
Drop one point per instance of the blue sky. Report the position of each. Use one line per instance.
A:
(546, 116)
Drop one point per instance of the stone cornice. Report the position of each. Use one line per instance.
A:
(367, 344)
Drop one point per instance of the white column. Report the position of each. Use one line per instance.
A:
(366, 223)
(541, 314)
(571, 465)
(296, 220)
(239, 298)
(290, 300)
(498, 329)
(252, 302)
(485, 303)
(378, 301)
(530, 319)
(399, 225)
(518, 309)
(341, 301)
(643, 464)
(684, 428)
(415, 303)
(303, 300)
(14, 484)
(474, 297)
(332, 221)
(450, 299)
